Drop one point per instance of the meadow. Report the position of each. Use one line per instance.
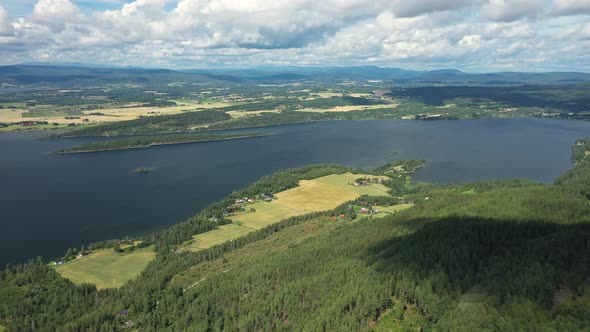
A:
(106, 268)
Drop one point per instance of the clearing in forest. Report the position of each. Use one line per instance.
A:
(106, 268)
(324, 193)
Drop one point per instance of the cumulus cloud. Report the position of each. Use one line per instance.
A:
(469, 34)
(5, 23)
(571, 7)
(510, 10)
(55, 14)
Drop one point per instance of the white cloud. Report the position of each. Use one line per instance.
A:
(5, 23)
(469, 34)
(55, 14)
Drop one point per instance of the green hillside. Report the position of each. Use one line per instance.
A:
(509, 256)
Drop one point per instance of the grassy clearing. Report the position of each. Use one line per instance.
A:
(277, 242)
(218, 236)
(385, 211)
(2, 328)
(107, 269)
(470, 192)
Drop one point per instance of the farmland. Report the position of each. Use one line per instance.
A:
(218, 236)
(106, 268)
(320, 194)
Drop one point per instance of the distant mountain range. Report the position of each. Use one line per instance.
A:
(79, 74)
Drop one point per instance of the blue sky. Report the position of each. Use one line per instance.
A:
(472, 35)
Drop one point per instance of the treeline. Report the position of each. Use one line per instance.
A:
(152, 124)
(147, 141)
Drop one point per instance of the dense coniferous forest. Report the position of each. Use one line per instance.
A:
(147, 141)
(495, 256)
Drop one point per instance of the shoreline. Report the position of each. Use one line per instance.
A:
(159, 144)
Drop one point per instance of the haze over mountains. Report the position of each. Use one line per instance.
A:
(86, 74)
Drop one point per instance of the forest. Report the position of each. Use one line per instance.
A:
(153, 140)
(507, 255)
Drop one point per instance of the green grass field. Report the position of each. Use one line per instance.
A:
(2, 328)
(107, 269)
(218, 236)
(387, 210)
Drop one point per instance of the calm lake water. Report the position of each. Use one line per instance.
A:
(52, 202)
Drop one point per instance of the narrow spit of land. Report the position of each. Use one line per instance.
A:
(140, 142)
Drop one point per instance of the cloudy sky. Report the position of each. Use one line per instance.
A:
(472, 35)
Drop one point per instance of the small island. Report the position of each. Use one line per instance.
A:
(140, 142)
(143, 170)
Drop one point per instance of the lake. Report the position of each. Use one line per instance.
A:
(49, 203)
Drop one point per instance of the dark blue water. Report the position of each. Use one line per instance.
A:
(51, 202)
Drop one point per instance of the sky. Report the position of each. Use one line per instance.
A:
(471, 35)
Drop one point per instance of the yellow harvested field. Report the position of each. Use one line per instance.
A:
(110, 114)
(345, 180)
(324, 193)
(241, 114)
(267, 213)
(107, 269)
(347, 108)
(328, 94)
(218, 236)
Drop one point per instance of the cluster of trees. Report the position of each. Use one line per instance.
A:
(513, 256)
(146, 141)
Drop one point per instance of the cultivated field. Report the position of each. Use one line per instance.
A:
(241, 114)
(266, 213)
(324, 193)
(218, 236)
(347, 108)
(106, 268)
(131, 111)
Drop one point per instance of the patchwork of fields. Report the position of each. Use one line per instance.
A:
(321, 194)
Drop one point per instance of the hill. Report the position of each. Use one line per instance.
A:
(497, 256)
(81, 75)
